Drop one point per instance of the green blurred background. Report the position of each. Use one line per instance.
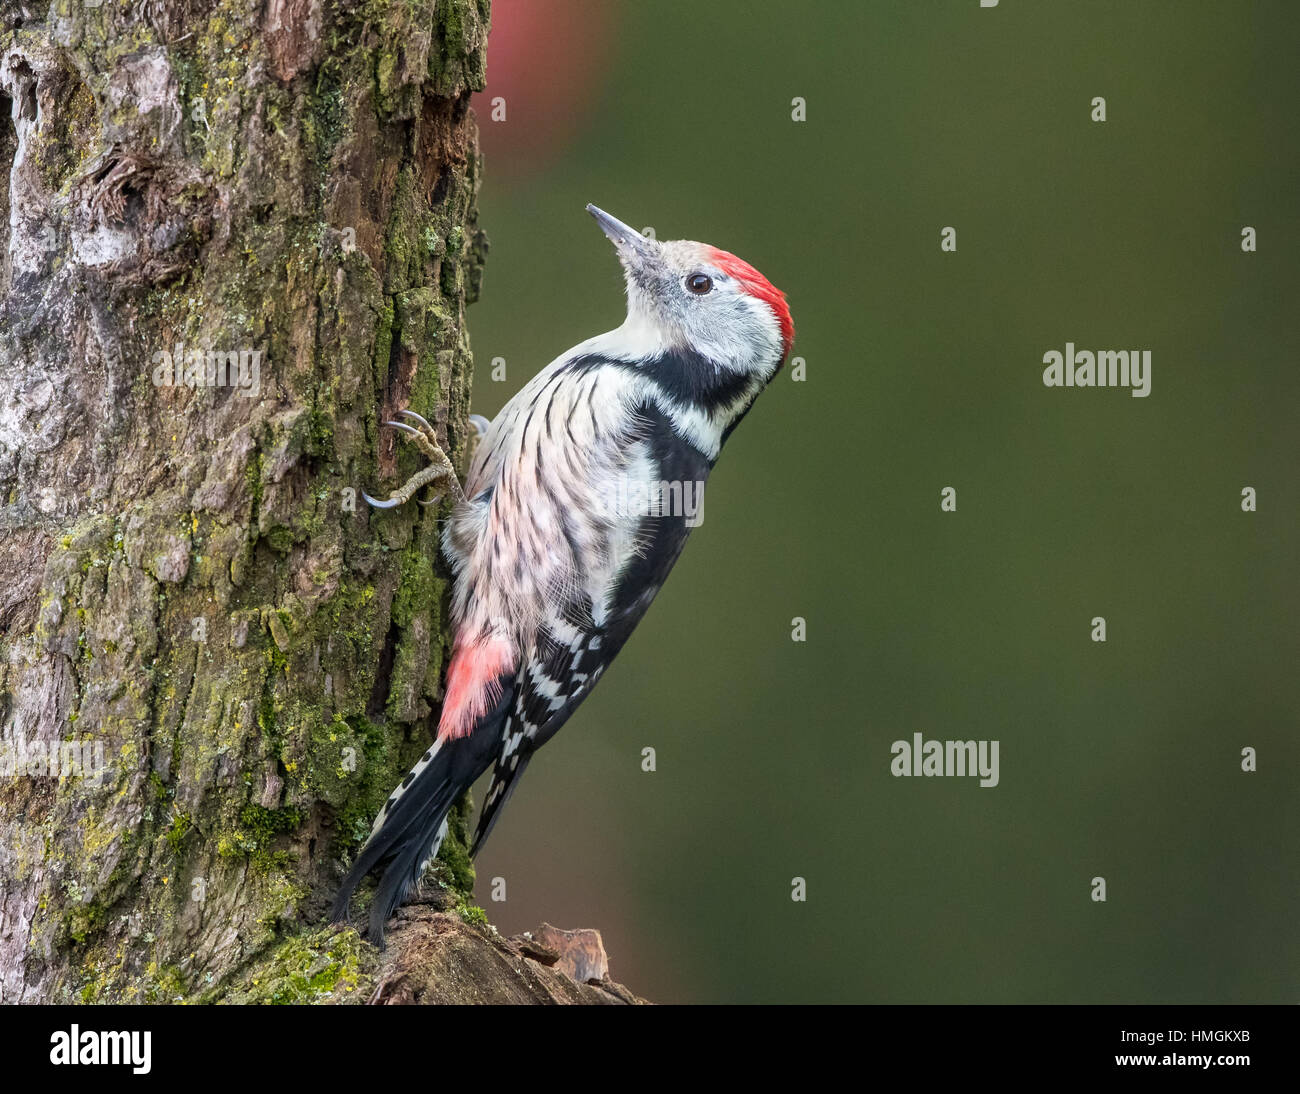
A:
(924, 370)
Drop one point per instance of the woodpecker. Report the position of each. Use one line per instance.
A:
(575, 507)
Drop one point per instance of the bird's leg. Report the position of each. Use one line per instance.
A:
(440, 470)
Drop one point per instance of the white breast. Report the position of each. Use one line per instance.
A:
(544, 522)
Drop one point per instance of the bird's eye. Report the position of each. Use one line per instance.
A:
(699, 283)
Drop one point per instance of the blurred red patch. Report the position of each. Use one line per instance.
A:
(546, 64)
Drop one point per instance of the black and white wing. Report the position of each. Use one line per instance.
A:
(575, 649)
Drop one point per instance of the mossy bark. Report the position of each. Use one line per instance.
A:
(190, 585)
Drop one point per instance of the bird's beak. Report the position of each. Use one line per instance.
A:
(629, 242)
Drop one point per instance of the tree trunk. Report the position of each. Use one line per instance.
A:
(236, 238)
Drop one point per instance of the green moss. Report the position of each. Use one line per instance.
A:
(472, 913)
(383, 339)
(69, 138)
(80, 921)
(265, 824)
(455, 865)
(335, 754)
(253, 479)
(417, 660)
(162, 984)
(229, 845)
(255, 835)
(275, 623)
(325, 965)
(416, 588)
(180, 828)
(380, 769)
(276, 668)
(326, 112)
(320, 439)
(404, 257)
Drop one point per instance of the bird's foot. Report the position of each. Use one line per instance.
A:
(440, 473)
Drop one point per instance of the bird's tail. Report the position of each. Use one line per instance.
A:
(413, 823)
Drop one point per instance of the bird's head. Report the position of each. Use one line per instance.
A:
(687, 295)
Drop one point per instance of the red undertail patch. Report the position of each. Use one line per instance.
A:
(472, 688)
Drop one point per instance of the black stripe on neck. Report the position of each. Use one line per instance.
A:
(684, 376)
(695, 381)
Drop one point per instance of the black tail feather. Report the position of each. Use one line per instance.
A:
(492, 810)
(403, 842)
(406, 839)
(381, 845)
(407, 864)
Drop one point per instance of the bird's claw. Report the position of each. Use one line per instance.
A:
(433, 435)
(439, 468)
(375, 503)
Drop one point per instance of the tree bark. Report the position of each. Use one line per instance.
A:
(233, 657)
